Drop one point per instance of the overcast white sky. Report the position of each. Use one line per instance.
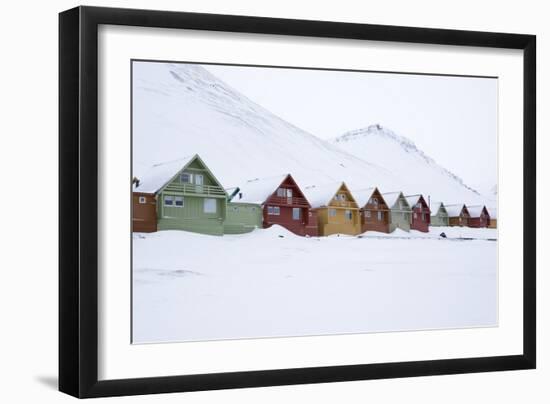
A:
(452, 119)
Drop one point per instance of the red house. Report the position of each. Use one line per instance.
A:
(283, 203)
(479, 216)
(421, 213)
(375, 213)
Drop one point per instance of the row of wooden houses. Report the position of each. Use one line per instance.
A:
(185, 195)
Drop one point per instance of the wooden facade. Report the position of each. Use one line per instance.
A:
(144, 212)
(458, 215)
(283, 203)
(374, 211)
(421, 215)
(479, 216)
(492, 218)
(400, 211)
(440, 217)
(336, 209)
(189, 197)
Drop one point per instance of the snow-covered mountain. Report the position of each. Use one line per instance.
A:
(418, 172)
(182, 109)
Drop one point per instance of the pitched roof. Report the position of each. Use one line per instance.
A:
(439, 206)
(257, 190)
(412, 199)
(160, 174)
(475, 210)
(321, 195)
(363, 195)
(392, 197)
(454, 210)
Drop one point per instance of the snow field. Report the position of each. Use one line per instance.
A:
(271, 283)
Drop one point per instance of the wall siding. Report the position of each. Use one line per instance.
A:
(191, 217)
(242, 218)
(400, 220)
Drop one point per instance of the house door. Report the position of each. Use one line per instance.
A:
(199, 182)
(289, 196)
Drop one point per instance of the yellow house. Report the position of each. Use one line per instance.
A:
(337, 210)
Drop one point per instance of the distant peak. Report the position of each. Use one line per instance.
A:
(376, 130)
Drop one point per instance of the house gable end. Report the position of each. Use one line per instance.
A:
(197, 166)
(349, 201)
(381, 202)
(298, 196)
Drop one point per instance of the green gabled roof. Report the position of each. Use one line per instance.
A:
(160, 175)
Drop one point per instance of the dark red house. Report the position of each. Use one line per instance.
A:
(421, 214)
(283, 203)
(479, 216)
(375, 212)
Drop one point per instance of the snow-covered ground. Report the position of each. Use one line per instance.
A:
(272, 283)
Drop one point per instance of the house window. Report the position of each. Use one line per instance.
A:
(142, 200)
(199, 179)
(374, 201)
(281, 192)
(348, 215)
(342, 197)
(210, 205)
(415, 215)
(332, 212)
(380, 216)
(168, 200)
(296, 213)
(273, 210)
(178, 201)
(186, 178)
(367, 213)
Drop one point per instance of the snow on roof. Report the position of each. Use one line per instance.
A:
(438, 206)
(321, 195)
(492, 212)
(257, 190)
(475, 210)
(363, 195)
(159, 174)
(391, 197)
(413, 199)
(454, 210)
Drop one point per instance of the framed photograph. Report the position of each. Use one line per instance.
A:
(251, 201)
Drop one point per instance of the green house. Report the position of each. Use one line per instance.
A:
(400, 211)
(440, 217)
(189, 197)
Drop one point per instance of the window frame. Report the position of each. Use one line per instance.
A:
(205, 200)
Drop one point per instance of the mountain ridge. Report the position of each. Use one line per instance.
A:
(182, 109)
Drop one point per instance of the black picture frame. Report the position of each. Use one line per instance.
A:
(78, 201)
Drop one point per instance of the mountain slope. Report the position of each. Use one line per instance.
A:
(419, 173)
(182, 109)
